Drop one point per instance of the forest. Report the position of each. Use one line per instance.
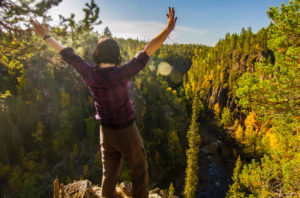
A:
(248, 84)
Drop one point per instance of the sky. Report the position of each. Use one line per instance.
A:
(199, 21)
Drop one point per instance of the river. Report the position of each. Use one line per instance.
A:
(219, 159)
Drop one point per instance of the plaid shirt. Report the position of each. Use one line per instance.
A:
(109, 86)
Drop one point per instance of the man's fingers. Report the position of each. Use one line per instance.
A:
(32, 22)
(35, 24)
(38, 23)
(173, 12)
(171, 15)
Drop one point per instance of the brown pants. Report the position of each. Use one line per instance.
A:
(127, 144)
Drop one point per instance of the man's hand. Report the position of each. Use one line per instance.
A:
(42, 31)
(39, 29)
(171, 19)
(155, 43)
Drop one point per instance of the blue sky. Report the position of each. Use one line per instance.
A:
(199, 21)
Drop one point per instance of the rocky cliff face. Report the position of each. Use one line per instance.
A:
(217, 94)
(85, 189)
(222, 93)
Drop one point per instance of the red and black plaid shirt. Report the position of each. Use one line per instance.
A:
(109, 86)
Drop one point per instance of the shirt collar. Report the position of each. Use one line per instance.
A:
(107, 65)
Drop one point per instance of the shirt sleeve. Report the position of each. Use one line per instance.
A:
(130, 69)
(80, 65)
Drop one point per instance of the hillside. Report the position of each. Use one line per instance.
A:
(222, 118)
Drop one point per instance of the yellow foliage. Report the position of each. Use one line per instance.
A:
(6, 94)
(205, 83)
(171, 189)
(64, 99)
(273, 141)
(281, 49)
(217, 110)
(222, 77)
(169, 89)
(236, 124)
(211, 76)
(138, 83)
(193, 83)
(239, 133)
(174, 92)
(257, 47)
(250, 124)
(251, 133)
(38, 135)
(19, 79)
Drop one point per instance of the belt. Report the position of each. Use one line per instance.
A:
(119, 126)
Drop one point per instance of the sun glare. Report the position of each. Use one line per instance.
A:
(164, 68)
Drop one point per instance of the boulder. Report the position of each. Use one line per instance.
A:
(85, 189)
(79, 189)
(126, 188)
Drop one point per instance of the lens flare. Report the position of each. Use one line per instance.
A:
(164, 68)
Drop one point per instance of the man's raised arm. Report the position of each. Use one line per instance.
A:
(67, 53)
(43, 32)
(155, 43)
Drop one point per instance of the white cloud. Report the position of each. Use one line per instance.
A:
(146, 30)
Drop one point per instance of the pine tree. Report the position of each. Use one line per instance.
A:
(107, 32)
(175, 150)
(171, 190)
(193, 136)
(38, 135)
(235, 188)
(271, 93)
(91, 18)
(13, 13)
(226, 117)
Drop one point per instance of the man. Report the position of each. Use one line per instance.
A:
(109, 85)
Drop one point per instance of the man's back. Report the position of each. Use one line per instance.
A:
(109, 87)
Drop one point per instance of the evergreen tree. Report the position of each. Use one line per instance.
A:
(175, 150)
(91, 18)
(107, 32)
(236, 190)
(271, 93)
(171, 190)
(14, 13)
(193, 136)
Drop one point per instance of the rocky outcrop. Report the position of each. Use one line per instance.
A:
(241, 62)
(217, 95)
(85, 189)
(77, 189)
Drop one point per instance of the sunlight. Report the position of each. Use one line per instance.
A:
(164, 68)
